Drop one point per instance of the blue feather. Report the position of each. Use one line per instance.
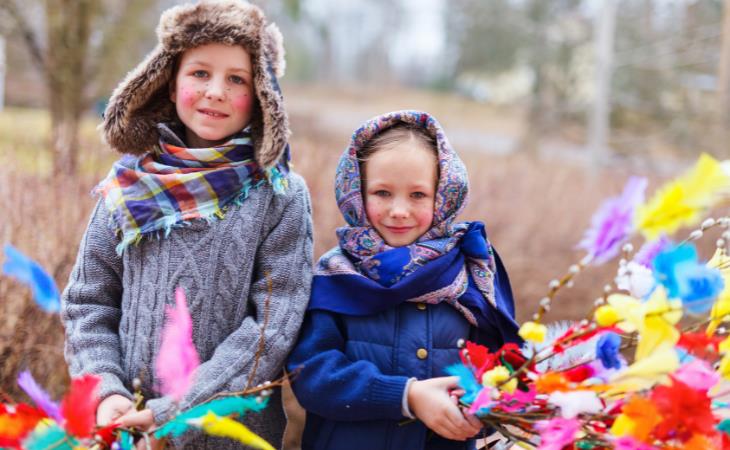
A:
(31, 273)
(467, 381)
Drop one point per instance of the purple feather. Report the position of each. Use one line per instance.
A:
(40, 397)
(612, 224)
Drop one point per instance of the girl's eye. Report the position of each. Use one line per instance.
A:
(381, 193)
(418, 195)
(236, 79)
(200, 74)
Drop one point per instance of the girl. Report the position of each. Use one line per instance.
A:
(391, 303)
(203, 200)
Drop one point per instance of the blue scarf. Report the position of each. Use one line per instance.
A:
(452, 262)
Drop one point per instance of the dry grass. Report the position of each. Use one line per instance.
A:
(535, 210)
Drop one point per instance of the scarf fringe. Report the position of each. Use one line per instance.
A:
(274, 177)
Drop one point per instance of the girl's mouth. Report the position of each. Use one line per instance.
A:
(399, 230)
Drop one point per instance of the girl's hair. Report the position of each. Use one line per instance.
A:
(397, 134)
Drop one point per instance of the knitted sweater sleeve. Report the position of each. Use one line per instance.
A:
(91, 308)
(331, 385)
(278, 297)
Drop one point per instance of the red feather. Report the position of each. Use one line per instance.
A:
(79, 406)
(107, 434)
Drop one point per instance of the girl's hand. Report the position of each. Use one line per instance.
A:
(112, 408)
(431, 401)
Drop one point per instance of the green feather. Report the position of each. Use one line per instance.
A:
(221, 407)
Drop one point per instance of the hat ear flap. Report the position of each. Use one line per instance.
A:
(271, 132)
(138, 104)
(274, 45)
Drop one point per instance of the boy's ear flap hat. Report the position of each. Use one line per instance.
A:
(141, 100)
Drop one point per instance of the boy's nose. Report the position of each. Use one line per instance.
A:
(215, 90)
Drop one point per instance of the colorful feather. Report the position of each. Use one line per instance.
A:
(31, 273)
(612, 224)
(126, 441)
(39, 396)
(107, 433)
(221, 407)
(47, 436)
(79, 406)
(680, 202)
(225, 427)
(178, 359)
(467, 381)
(16, 422)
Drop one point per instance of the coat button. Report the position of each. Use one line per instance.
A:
(422, 353)
(421, 306)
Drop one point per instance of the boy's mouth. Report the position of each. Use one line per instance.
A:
(212, 113)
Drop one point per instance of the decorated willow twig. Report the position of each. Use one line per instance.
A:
(571, 388)
(72, 424)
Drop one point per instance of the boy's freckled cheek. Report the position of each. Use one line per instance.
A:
(187, 96)
(241, 102)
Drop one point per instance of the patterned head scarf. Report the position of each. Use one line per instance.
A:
(359, 237)
(363, 253)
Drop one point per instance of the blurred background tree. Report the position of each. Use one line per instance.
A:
(537, 57)
(79, 48)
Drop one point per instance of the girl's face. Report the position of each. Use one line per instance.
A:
(400, 187)
(213, 93)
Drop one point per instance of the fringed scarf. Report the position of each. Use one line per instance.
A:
(364, 275)
(168, 188)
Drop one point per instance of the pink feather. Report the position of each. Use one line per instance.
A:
(178, 359)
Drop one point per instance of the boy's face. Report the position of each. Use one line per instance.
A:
(400, 188)
(213, 93)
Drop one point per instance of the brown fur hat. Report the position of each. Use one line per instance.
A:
(141, 100)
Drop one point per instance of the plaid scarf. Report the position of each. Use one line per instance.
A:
(167, 188)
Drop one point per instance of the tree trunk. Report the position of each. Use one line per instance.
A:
(65, 142)
(535, 123)
(723, 76)
(69, 28)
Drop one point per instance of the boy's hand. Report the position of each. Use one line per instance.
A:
(431, 401)
(143, 420)
(112, 408)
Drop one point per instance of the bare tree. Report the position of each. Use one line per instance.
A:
(78, 43)
(724, 67)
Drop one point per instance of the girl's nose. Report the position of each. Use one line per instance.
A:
(398, 209)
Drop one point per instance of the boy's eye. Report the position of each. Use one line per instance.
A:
(200, 74)
(236, 79)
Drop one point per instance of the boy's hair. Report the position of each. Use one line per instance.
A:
(397, 134)
(141, 101)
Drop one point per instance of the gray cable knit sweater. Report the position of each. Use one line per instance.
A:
(114, 306)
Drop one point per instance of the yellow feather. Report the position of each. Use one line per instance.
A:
(721, 309)
(680, 202)
(226, 427)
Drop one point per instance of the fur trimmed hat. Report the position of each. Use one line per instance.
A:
(141, 100)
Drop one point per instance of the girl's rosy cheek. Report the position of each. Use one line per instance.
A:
(241, 103)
